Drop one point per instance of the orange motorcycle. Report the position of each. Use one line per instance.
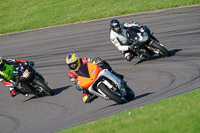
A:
(104, 84)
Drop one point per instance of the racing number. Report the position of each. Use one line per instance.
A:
(26, 74)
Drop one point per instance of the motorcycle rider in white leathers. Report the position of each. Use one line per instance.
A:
(118, 37)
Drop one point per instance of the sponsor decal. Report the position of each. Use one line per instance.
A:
(93, 71)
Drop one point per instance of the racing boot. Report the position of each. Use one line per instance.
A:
(13, 91)
(89, 98)
(130, 57)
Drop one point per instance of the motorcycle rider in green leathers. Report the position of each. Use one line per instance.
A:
(8, 70)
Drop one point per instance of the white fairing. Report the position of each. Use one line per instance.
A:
(108, 75)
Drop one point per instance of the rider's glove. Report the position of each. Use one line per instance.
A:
(136, 23)
(97, 60)
(30, 63)
(78, 87)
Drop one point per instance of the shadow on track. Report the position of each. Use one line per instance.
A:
(137, 97)
(56, 92)
(171, 53)
(59, 90)
(142, 95)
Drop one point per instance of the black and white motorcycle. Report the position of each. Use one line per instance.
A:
(31, 81)
(144, 43)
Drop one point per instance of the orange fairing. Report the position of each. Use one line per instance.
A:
(87, 79)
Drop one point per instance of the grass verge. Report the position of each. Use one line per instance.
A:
(19, 15)
(178, 114)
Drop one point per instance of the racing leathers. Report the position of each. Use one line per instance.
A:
(7, 73)
(121, 42)
(87, 96)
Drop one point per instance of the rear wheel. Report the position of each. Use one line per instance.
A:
(44, 87)
(111, 94)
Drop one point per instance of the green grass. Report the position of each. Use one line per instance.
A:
(19, 15)
(173, 115)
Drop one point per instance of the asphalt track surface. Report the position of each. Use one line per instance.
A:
(159, 78)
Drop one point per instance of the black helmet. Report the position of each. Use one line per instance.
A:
(115, 25)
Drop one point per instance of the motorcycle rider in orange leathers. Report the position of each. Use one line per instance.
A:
(74, 63)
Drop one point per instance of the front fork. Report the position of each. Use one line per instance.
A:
(150, 46)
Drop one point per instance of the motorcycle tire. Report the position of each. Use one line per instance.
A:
(45, 88)
(111, 94)
(163, 50)
(130, 94)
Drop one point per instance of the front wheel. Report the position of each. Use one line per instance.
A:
(130, 94)
(161, 48)
(111, 94)
(44, 87)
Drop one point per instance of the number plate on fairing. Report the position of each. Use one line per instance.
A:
(26, 74)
